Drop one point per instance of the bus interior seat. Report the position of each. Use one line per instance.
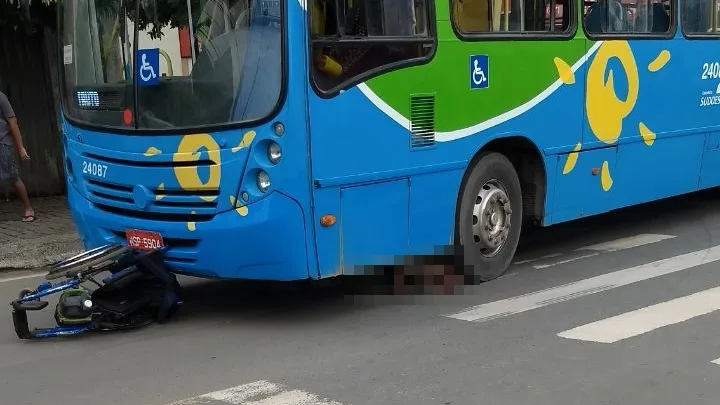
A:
(212, 63)
(660, 18)
(600, 19)
(259, 87)
(594, 18)
(563, 16)
(394, 18)
(654, 20)
(472, 15)
(695, 17)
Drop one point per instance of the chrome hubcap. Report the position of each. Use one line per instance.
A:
(491, 219)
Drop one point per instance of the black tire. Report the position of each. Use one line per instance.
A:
(24, 293)
(496, 168)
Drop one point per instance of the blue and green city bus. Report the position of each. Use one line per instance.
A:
(300, 139)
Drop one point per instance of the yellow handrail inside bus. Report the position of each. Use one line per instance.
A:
(168, 61)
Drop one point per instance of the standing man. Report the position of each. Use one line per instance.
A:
(11, 144)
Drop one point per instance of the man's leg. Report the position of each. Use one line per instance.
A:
(21, 190)
(10, 172)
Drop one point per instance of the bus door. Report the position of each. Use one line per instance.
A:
(352, 41)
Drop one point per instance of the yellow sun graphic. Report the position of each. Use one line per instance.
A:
(152, 151)
(245, 142)
(606, 112)
(241, 209)
(188, 177)
(191, 225)
(160, 195)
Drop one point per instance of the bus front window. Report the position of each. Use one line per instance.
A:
(171, 64)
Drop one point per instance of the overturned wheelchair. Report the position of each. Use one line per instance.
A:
(138, 290)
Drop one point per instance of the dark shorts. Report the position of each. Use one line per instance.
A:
(8, 163)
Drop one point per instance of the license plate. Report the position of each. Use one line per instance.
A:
(143, 240)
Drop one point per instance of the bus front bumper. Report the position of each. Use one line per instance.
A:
(266, 244)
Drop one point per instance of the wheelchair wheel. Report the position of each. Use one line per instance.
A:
(24, 293)
(86, 263)
(136, 321)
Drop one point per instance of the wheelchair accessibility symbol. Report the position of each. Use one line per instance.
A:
(148, 66)
(479, 72)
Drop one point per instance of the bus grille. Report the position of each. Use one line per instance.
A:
(167, 205)
(172, 205)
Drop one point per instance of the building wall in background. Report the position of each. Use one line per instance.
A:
(28, 75)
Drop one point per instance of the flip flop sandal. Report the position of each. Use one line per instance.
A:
(27, 218)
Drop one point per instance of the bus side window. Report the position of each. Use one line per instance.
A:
(511, 16)
(628, 17)
(700, 17)
(353, 40)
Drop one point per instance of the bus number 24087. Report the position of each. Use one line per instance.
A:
(94, 169)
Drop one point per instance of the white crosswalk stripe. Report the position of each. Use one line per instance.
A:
(647, 319)
(257, 393)
(565, 261)
(629, 242)
(627, 325)
(581, 288)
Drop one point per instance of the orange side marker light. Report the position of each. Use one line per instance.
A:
(328, 220)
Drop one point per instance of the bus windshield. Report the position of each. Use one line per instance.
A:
(170, 64)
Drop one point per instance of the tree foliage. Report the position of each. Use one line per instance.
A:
(161, 13)
(18, 13)
(154, 14)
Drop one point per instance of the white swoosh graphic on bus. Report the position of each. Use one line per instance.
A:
(492, 122)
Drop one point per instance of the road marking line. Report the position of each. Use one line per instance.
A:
(17, 278)
(628, 242)
(581, 288)
(644, 320)
(537, 258)
(524, 262)
(545, 266)
(258, 393)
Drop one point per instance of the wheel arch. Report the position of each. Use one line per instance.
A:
(528, 162)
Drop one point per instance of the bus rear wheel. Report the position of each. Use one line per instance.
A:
(490, 216)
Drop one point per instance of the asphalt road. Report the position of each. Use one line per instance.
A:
(618, 309)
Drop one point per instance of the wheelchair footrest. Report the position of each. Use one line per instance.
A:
(30, 305)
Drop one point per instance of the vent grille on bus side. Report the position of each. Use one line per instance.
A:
(422, 120)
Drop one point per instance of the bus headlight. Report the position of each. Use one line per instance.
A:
(263, 181)
(274, 153)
